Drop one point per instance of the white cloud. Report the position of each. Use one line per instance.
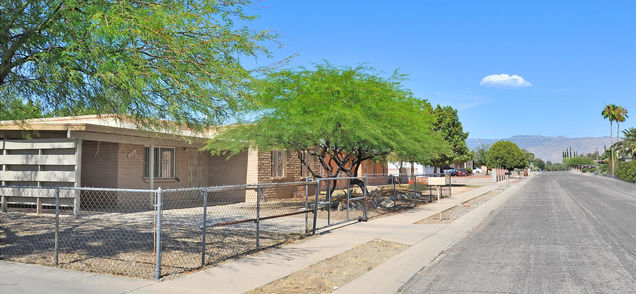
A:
(505, 80)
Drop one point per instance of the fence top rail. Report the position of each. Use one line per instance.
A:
(339, 178)
(107, 189)
(239, 186)
(29, 187)
(403, 175)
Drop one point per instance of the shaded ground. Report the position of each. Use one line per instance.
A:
(329, 274)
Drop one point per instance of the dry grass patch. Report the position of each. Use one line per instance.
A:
(334, 272)
(449, 215)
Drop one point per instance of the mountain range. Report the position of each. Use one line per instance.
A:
(548, 148)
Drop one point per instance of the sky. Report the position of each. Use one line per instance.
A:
(509, 67)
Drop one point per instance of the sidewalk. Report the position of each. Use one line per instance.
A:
(259, 269)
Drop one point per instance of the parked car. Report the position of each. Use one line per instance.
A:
(451, 171)
(477, 171)
(462, 172)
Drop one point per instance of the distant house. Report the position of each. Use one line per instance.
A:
(101, 151)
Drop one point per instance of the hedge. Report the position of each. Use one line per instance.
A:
(626, 171)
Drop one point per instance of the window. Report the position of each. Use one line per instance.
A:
(278, 164)
(164, 162)
(311, 161)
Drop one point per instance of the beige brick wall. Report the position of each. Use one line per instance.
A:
(131, 168)
(99, 164)
(122, 166)
(252, 167)
(232, 171)
(292, 173)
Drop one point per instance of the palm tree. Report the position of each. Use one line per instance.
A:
(628, 145)
(609, 112)
(620, 114)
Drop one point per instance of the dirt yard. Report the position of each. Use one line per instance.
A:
(126, 247)
(451, 214)
(124, 243)
(326, 276)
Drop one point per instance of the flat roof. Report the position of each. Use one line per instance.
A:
(109, 124)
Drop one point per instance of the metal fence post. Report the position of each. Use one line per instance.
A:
(450, 186)
(366, 200)
(394, 194)
(414, 183)
(259, 192)
(77, 203)
(158, 236)
(57, 226)
(306, 205)
(348, 197)
(204, 225)
(430, 193)
(316, 206)
(329, 203)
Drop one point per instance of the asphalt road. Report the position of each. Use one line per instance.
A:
(562, 233)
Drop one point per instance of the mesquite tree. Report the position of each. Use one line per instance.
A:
(340, 116)
(145, 60)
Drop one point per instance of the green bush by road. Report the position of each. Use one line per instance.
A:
(626, 171)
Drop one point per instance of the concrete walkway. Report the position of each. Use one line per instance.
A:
(259, 269)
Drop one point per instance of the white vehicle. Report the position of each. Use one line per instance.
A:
(477, 171)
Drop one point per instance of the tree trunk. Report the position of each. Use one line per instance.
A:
(610, 167)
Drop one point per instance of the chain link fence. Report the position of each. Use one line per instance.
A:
(157, 233)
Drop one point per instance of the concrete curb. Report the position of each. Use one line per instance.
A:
(390, 276)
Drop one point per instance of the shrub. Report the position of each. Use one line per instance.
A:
(603, 168)
(469, 169)
(584, 169)
(626, 171)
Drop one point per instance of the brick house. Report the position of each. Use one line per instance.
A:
(101, 151)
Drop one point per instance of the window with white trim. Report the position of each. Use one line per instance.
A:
(163, 162)
(278, 164)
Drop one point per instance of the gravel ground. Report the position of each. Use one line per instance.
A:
(451, 214)
(126, 247)
(123, 243)
(327, 275)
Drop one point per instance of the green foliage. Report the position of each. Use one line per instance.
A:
(447, 123)
(507, 155)
(626, 171)
(146, 60)
(469, 169)
(555, 167)
(628, 145)
(538, 163)
(15, 109)
(529, 155)
(336, 115)
(620, 115)
(577, 161)
(479, 155)
(603, 168)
